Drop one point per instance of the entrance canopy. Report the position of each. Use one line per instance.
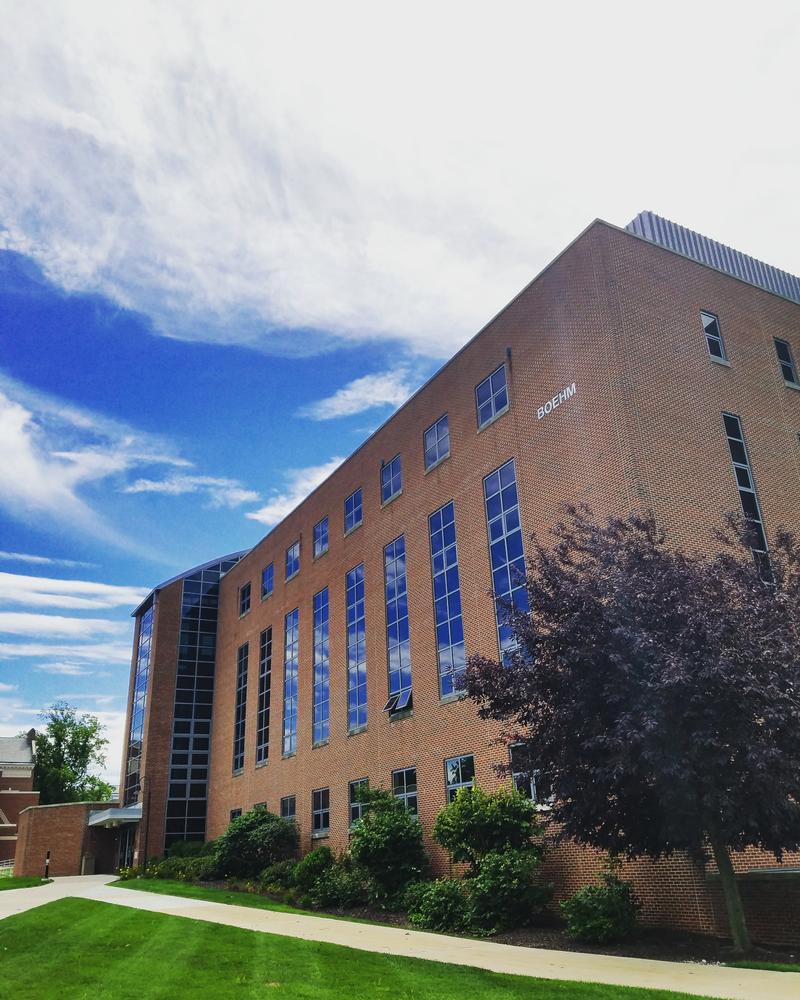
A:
(116, 815)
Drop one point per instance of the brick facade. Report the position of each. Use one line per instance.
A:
(75, 848)
(16, 788)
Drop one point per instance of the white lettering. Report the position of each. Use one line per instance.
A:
(562, 397)
(540, 412)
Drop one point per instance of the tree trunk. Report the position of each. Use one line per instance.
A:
(733, 901)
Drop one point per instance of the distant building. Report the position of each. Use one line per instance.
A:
(17, 761)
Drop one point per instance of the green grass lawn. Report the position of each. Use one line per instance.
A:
(23, 882)
(766, 966)
(168, 887)
(79, 949)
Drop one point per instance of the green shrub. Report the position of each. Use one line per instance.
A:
(126, 874)
(602, 913)
(202, 868)
(340, 887)
(477, 822)
(252, 842)
(442, 905)
(185, 849)
(387, 844)
(309, 869)
(280, 875)
(504, 892)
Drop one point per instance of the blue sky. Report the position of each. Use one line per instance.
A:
(231, 246)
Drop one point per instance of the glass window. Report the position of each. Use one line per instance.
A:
(711, 328)
(404, 786)
(293, 559)
(786, 361)
(244, 599)
(240, 708)
(391, 479)
(352, 511)
(447, 599)
(356, 806)
(321, 685)
(264, 691)
(138, 705)
(291, 649)
(267, 580)
(320, 810)
(528, 780)
(491, 397)
(459, 772)
(505, 548)
(356, 649)
(747, 492)
(397, 633)
(436, 441)
(235, 814)
(288, 807)
(321, 537)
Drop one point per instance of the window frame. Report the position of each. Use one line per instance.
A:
(284, 812)
(321, 810)
(496, 413)
(356, 524)
(354, 805)
(323, 527)
(240, 708)
(399, 697)
(721, 359)
(320, 666)
(264, 703)
(434, 427)
(268, 569)
(456, 786)
(405, 796)
(290, 548)
(245, 602)
(356, 648)
(529, 778)
(788, 363)
(388, 465)
(446, 676)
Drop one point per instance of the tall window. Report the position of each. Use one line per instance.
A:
(391, 479)
(321, 668)
(321, 537)
(240, 709)
(404, 786)
(491, 397)
(320, 811)
(291, 642)
(437, 442)
(267, 580)
(447, 598)
(288, 807)
(136, 733)
(356, 805)
(397, 636)
(505, 547)
(264, 692)
(459, 772)
(786, 361)
(528, 780)
(353, 515)
(244, 599)
(716, 347)
(293, 559)
(356, 650)
(747, 491)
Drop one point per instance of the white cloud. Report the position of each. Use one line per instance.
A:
(300, 482)
(100, 653)
(221, 492)
(57, 626)
(25, 557)
(407, 183)
(43, 592)
(7, 687)
(380, 389)
(16, 715)
(64, 669)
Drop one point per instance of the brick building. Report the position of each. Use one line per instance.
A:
(644, 367)
(17, 760)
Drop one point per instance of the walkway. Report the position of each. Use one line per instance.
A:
(703, 980)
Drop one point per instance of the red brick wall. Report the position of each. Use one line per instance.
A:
(15, 795)
(62, 830)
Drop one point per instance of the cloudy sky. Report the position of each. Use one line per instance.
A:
(234, 237)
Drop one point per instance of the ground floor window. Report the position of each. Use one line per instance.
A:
(404, 786)
(288, 807)
(356, 806)
(320, 811)
(459, 772)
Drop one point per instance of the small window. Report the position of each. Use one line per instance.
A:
(288, 807)
(404, 786)
(320, 811)
(267, 580)
(436, 441)
(459, 772)
(491, 397)
(244, 599)
(786, 361)
(352, 512)
(529, 781)
(391, 479)
(356, 805)
(235, 814)
(292, 560)
(259, 805)
(321, 537)
(711, 328)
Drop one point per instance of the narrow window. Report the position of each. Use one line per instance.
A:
(447, 599)
(711, 328)
(356, 805)
(786, 361)
(356, 650)
(505, 548)
(397, 634)
(322, 694)
(436, 441)
(321, 538)
(244, 599)
(529, 781)
(235, 814)
(747, 492)
(320, 811)
(240, 709)
(292, 560)
(353, 515)
(404, 786)
(267, 580)
(290, 655)
(491, 397)
(459, 772)
(288, 807)
(391, 479)
(264, 691)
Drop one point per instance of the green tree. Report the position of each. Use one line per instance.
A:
(254, 841)
(67, 749)
(387, 843)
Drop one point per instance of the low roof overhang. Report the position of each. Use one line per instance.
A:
(115, 816)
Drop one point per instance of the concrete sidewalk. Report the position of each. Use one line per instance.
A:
(687, 977)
